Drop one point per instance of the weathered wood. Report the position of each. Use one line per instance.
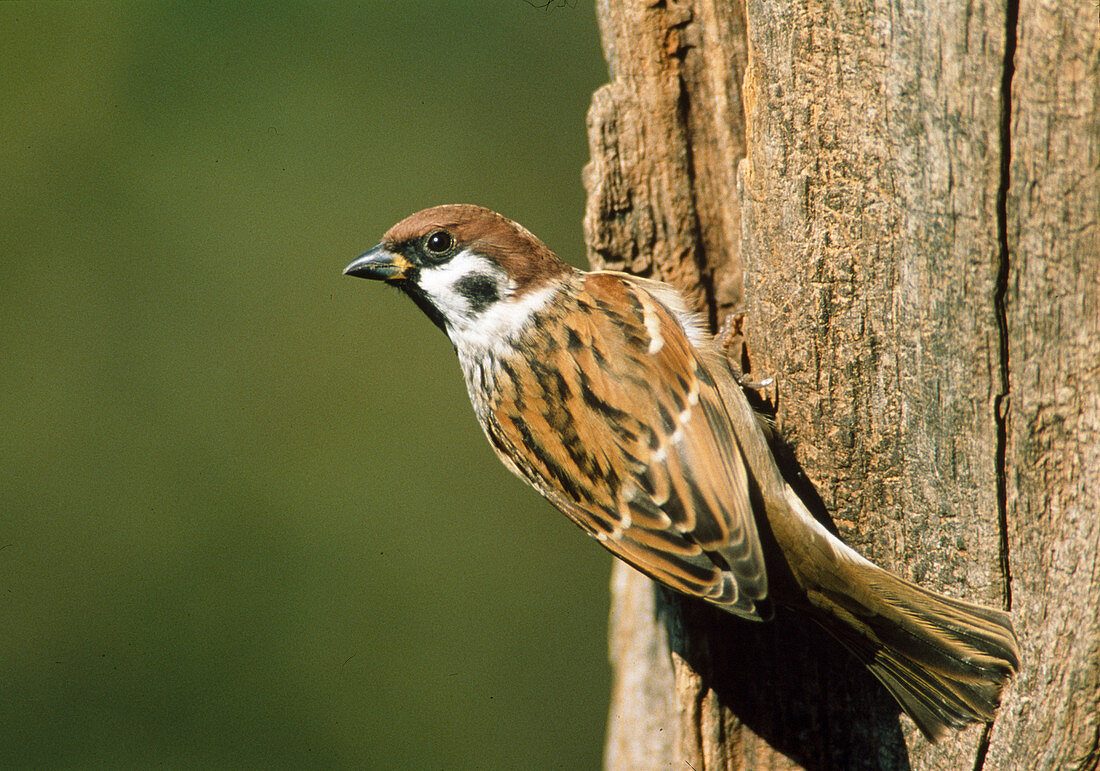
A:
(872, 265)
(933, 323)
(665, 137)
(642, 702)
(1052, 718)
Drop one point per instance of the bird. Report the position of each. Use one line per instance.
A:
(604, 392)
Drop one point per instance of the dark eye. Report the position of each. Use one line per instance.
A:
(439, 242)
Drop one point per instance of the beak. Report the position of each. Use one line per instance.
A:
(380, 264)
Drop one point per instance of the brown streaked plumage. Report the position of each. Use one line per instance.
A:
(600, 391)
(651, 472)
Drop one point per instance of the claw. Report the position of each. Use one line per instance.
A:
(756, 385)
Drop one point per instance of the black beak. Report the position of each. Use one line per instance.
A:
(380, 264)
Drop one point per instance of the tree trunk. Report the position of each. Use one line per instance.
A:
(904, 202)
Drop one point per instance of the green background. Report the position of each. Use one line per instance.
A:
(246, 515)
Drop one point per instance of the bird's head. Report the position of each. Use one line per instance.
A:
(473, 272)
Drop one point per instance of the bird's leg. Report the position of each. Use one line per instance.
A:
(731, 341)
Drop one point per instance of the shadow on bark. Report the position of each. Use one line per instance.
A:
(789, 683)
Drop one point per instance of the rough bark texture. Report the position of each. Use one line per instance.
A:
(1052, 452)
(665, 136)
(910, 193)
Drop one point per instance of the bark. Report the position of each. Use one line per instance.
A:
(1052, 365)
(904, 201)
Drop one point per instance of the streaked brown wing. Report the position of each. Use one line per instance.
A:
(640, 452)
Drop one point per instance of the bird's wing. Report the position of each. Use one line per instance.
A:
(640, 450)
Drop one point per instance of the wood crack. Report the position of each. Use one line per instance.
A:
(1002, 403)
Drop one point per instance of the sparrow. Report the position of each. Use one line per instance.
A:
(603, 391)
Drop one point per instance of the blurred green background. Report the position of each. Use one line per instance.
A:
(246, 514)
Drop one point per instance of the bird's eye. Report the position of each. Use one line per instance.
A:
(439, 242)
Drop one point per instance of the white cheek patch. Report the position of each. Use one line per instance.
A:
(477, 301)
(463, 287)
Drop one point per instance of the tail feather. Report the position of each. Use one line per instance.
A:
(944, 660)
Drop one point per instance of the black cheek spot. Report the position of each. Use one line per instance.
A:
(480, 290)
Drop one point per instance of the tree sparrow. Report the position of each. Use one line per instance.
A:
(602, 391)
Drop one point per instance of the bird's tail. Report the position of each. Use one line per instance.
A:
(944, 660)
